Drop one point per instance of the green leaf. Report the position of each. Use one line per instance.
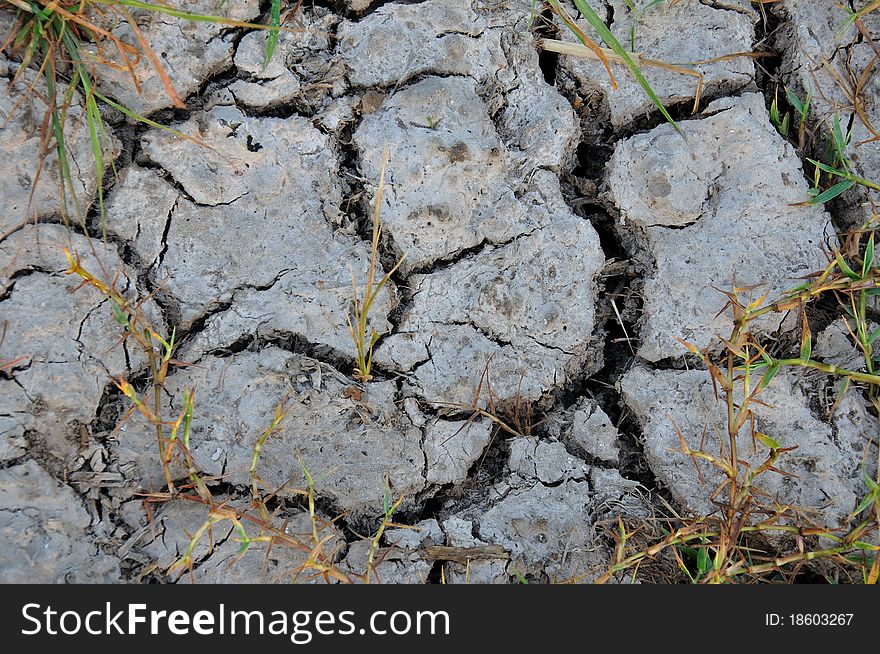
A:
(768, 442)
(176, 13)
(772, 369)
(274, 24)
(807, 101)
(806, 342)
(845, 269)
(840, 142)
(703, 560)
(786, 124)
(245, 539)
(141, 119)
(828, 169)
(794, 101)
(844, 387)
(849, 22)
(869, 257)
(118, 314)
(832, 193)
(803, 108)
(306, 472)
(864, 504)
(690, 552)
(870, 483)
(862, 545)
(782, 124)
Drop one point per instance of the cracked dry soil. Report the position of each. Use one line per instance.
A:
(556, 231)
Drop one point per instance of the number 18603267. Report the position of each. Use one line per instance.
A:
(809, 619)
(820, 619)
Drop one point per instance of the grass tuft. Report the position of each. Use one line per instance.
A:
(64, 42)
(361, 306)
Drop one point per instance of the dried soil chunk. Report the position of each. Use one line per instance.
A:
(706, 218)
(301, 70)
(348, 445)
(400, 41)
(450, 178)
(509, 307)
(247, 237)
(44, 532)
(547, 530)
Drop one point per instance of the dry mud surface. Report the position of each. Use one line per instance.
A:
(555, 230)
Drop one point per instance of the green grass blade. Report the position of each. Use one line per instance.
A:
(845, 267)
(56, 121)
(142, 119)
(828, 169)
(772, 370)
(794, 101)
(93, 116)
(612, 42)
(869, 257)
(841, 141)
(856, 15)
(274, 24)
(179, 13)
(832, 193)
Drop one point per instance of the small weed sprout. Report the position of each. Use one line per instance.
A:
(158, 351)
(273, 428)
(839, 168)
(855, 17)
(780, 122)
(361, 306)
(802, 107)
(319, 558)
(389, 509)
(319, 562)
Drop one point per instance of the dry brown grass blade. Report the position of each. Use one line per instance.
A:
(21, 4)
(474, 408)
(13, 32)
(30, 90)
(154, 60)
(93, 30)
(588, 43)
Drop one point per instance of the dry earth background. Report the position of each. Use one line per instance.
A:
(534, 204)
